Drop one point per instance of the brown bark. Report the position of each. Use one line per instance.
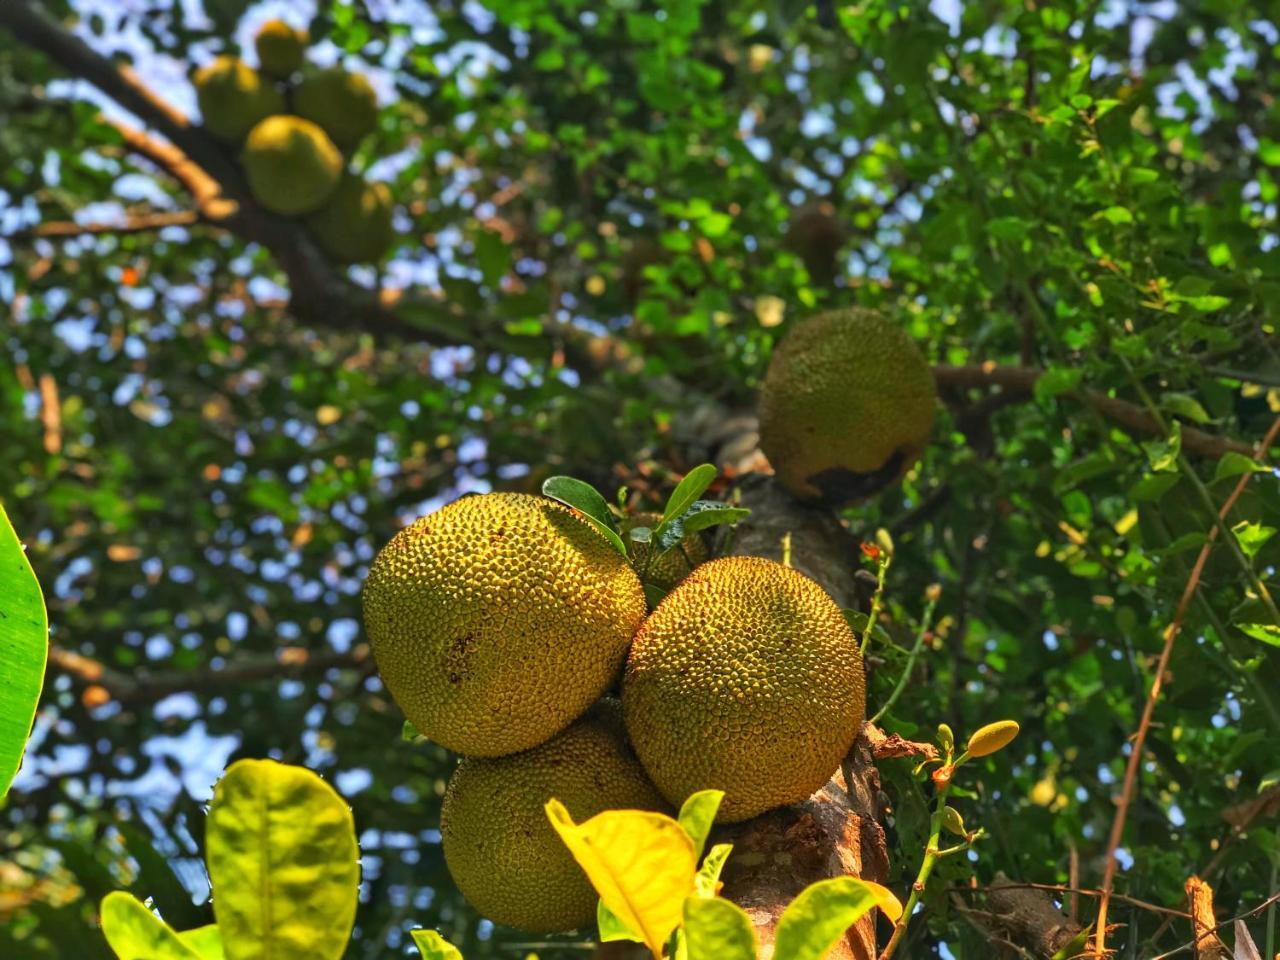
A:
(1021, 919)
(1203, 924)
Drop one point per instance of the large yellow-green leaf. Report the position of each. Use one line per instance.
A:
(24, 646)
(718, 929)
(823, 911)
(282, 863)
(135, 933)
(432, 946)
(697, 814)
(642, 865)
(205, 941)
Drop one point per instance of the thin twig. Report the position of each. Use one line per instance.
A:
(141, 223)
(1139, 738)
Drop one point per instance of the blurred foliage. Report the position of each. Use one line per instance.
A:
(1088, 188)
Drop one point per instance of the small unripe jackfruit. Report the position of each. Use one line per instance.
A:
(355, 225)
(501, 850)
(281, 48)
(665, 570)
(232, 97)
(498, 619)
(817, 236)
(846, 406)
(291, 166)
(343, 103)
(748, 679)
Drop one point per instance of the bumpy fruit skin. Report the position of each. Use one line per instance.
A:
(498, 619)
(846, 406)
(502, 852)
(747, 679)
(344, 104)
(233, 97)
(671, 567)
(355, 225)
(280, 48)
(292, 167)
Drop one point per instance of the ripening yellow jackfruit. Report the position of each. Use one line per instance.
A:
(232, 97)
(355, 225)
(501, 850)
(498, 619)
(291, 166)
(281, 48)
(846, 406)
(747, 679)
(343, 103)
(666, 570)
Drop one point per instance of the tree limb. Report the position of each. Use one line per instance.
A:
(1200, 897)
(143, 688)
(140, 223)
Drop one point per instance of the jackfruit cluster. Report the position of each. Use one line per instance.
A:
(846, 406)
(295, 126)
(500, 622)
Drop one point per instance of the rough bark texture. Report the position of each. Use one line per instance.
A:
(1200, 899)
(1023, 916)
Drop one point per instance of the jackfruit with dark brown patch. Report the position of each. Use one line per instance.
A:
(846, 406)
(501, 850)
(233, 97)
(816, 235)
(281, 49)
(355, 225)
(748, 679)
(665, 570)
(291, 165)
(498, 619)
(341, 102)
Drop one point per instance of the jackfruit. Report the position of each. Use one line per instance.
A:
(498, 619)
(747, 679)
(291, 166)
(281, 49)
(232, 97)
(341, 102)
(846, 406)
(501, 850)
(355, 225)
(817, 236)
(666, 570)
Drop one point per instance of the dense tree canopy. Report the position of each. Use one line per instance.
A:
(210, 429)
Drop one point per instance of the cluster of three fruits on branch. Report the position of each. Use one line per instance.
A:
(295, 127)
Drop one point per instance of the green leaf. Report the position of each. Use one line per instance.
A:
(135, 933)
(653, 594)
(205, 941)
(697, 814)
(587, 500)
(1232, 464)
(1266, 632)
(712, 866)
(707, 513)
(822, 912)
(610, 926)
(1115, 215)
(1185, 406)
(432, 946)
(1153, 486)
(1163, 454)
(1074, 947)
(1208, 303)
(283, 863)
(718, 929)
(1252, 537)
(689, 489)
(1055, 381)
(1269, 151)
(24, 645)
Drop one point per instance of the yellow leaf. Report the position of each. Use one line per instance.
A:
(642, 865)
(888, 903)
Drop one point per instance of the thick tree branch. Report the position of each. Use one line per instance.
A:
(1021, 381)
(143, 688)
(140, 223)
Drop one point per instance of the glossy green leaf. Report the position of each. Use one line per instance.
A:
(1232, 464)
(587, 500)
(688, 490)
(206, 941)
(1266, 632)
(705, 514)
(697, 814)
(24, 645)
(718, 929)
(432, 946)
(135, 933)
(822, 912)
(1252, 537)
(283, 863)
